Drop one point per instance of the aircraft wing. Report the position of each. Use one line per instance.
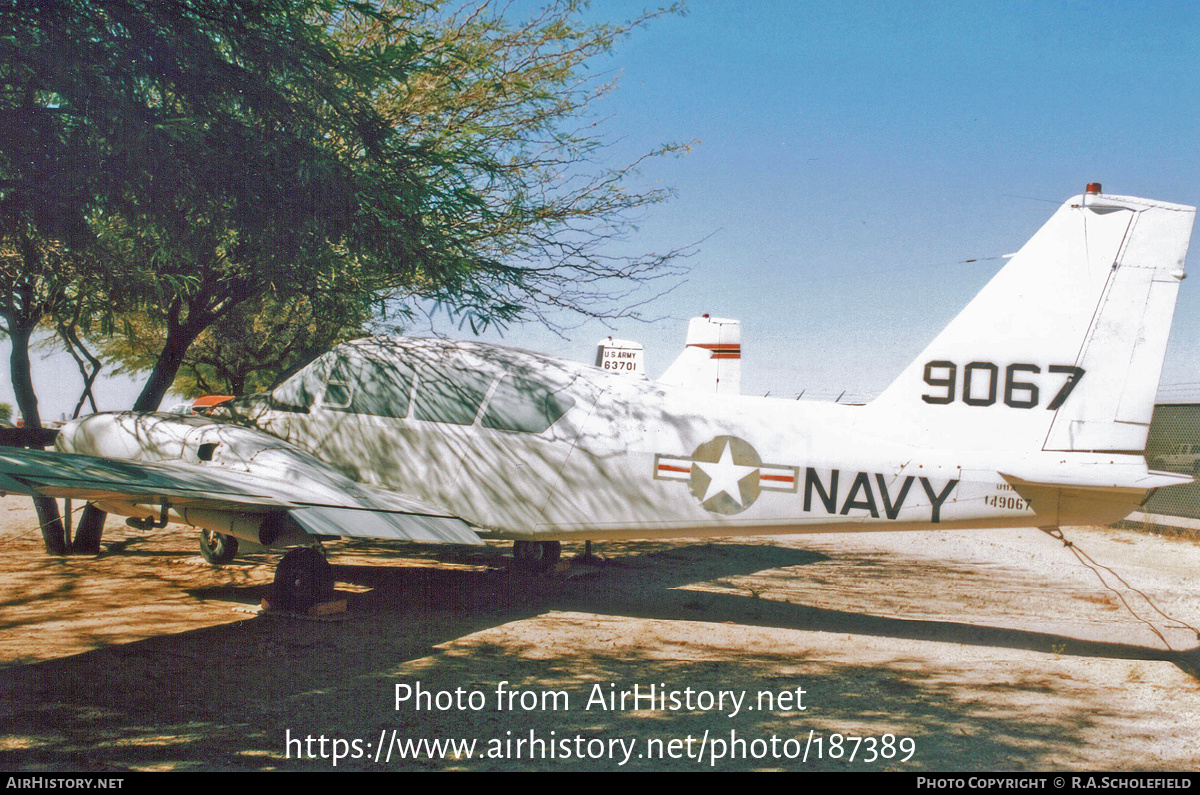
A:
(321, 501)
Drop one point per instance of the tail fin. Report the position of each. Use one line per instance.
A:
(1063, 349)
(622, 357)
(712, 358)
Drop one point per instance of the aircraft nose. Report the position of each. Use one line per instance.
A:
(68, 436)
(86, 435)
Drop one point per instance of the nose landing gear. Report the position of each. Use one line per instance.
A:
(217, 548)
(537, 555)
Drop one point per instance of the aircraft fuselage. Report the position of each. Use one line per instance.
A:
(633, 459)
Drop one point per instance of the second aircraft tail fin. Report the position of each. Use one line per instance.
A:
(712, 358)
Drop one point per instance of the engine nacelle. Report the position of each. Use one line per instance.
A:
(265, 529)
(275, 528)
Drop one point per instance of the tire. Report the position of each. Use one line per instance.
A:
(302, 579)
(217, 548)
(537, 555)
(551, 552)
(525, 552)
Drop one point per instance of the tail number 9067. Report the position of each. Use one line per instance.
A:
(982, 382)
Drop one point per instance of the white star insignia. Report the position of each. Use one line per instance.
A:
(724, 476)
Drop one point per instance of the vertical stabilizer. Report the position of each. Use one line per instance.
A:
(712, 358)
(622, 357)
(1062, 350)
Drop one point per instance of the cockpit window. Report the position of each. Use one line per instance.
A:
(299, 391)
(449, 389)
(337, 388)
(369, 386)
(450, 394)
(519, 404)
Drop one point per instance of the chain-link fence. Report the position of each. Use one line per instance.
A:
(1174, 446)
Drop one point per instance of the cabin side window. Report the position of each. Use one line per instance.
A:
(519, 404)
(376, 387)
(450, 394)
(337, 388)
(384, 388)
(298, 392)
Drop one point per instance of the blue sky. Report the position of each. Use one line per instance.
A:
(850, 156)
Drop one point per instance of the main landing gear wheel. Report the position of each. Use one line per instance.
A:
(537, 555)
(217, 548)
(302, 579)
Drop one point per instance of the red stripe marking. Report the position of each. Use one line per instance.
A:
(670, 468)
(782, 478)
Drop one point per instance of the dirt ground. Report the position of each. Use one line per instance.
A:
(973, 650)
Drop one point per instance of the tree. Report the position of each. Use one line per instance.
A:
(507, 106)
(519, 96)
(239, 152)
(36, 278)
(221, 155)
(251, 347)
(214, 150)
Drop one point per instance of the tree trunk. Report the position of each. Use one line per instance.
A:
(19, 371)
(89, 530)
(49, 519)
(179, 339)
(52, 526)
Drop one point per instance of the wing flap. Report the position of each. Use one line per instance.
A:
(366, 523)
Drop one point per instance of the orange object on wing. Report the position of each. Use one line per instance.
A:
(206, 402)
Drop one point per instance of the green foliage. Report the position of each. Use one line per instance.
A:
(248, 349)
(6, 412)
(217, 150)
(515, 96)
(206, 161)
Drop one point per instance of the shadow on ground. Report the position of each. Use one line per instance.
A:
(230, 696)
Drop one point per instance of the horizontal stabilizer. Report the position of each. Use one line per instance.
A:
(1105, 478)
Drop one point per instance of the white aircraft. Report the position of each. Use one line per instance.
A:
(1030, 409)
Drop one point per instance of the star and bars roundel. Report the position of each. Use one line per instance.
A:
(725, 474)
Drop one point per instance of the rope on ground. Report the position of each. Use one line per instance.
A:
(1094, 567)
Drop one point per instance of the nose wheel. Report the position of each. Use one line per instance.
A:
(303, 578)
(537, 555)
(217, 548)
